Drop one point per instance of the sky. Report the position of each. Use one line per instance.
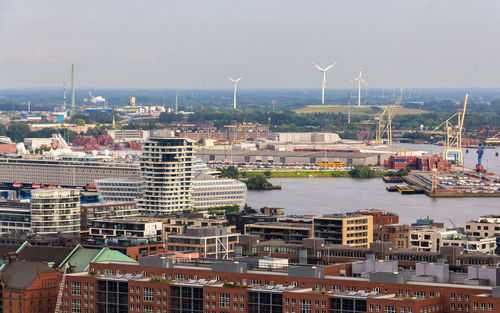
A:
(197, 44)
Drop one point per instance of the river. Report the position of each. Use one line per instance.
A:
(318, 196)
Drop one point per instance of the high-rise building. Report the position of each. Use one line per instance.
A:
(55, 210)
(167, 173)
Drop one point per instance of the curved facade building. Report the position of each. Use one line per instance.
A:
(55, 210)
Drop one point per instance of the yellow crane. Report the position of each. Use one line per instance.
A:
(453, 146)
(384, 122)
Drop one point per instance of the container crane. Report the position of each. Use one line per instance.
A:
(453, 146)
(384, 122)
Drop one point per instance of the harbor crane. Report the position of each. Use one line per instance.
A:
(480, 152)
(453, 146)
(493, 139)
(384, 122)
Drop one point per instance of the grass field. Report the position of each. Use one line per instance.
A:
(305, 173)
(355, 110)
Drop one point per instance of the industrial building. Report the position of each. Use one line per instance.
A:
(297, 157)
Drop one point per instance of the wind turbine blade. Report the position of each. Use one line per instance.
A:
(330, 66)
(238, 79)
(316, 66)
(231, 79)
(363, 81)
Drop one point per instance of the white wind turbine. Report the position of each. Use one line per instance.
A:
(235, 82)
(323, 70)
(360, 80)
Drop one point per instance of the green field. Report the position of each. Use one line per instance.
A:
(304, 173)
(355, 110)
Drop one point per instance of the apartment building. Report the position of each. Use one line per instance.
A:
(485, 226)
(166, 168)
(397, 234)
(429, 240)
(106, 210)
(351, 229)
(482, 245)
(55, 210)
(100, 230)
(287, 232)
(209, 242)
(178, 225)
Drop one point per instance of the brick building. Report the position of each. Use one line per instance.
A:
(28, 287)
(232, 287)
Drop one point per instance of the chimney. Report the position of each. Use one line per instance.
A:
(11, 256)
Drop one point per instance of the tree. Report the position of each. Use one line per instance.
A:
(3, 130)
(258, 182)
(18, 131)
(267, 173)
(361, 171)
(80, 122)
(229, 172)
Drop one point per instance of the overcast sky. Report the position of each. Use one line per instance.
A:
(190, 44)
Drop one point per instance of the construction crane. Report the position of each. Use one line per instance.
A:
(453, 146)
(493, 139)
(462, 235)
(61, 290)
(480, 152)
(384, 122)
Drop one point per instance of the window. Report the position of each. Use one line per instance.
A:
(377, 308)
(483, 306)
(76, 288)
(490, 306)
(148, 308)
(371, 307)
(224, 299)
(76, 306)
(305, 306)
(452, 297)
(390, 309)
(148, 295)
(475, 306)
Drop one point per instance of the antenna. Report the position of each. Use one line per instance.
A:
(72, 87)
(323, 70)
(360, 80)
(235, 82)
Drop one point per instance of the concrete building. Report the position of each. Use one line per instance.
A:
(126, 135)
(429, 240)
(167, 174)
(344, 228)
(55, 210)
(15, 217)
(211, 192)
(482, 245)
(210, 242)
(110, 189)
(178, 225)
(62, 173)
(397, 234)
(298, 157)
(288, 232)
(101, 230)
(305, 137)
(485, 226)
(106, 210)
